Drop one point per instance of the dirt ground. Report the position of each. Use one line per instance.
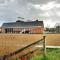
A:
(12, 42)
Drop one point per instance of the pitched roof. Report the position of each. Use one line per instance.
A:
(23, 24)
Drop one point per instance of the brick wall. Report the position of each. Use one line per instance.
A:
(36, 30)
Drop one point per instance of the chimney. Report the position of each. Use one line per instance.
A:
(18, 21)
(36, 20)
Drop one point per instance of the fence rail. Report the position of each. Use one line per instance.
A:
(27, 47)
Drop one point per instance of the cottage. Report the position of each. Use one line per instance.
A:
(23, 27)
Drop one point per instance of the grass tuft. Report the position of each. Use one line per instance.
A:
(52, 54)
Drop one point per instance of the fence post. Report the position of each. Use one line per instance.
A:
(44, 48)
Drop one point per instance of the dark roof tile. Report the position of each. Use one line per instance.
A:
(23, 24)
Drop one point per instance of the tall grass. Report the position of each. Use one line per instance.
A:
(52, 54)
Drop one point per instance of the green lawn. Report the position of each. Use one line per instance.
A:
(51, 54)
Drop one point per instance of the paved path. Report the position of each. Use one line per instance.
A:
(50, 46)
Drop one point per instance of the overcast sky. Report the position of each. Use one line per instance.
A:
(46, 10)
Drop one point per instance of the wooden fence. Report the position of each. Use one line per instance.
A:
(29, 50)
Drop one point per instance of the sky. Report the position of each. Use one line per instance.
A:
(30, 10)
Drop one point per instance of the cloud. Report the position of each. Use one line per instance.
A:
(58, 13)
(48, 6)
(3, 3)
(47, 10)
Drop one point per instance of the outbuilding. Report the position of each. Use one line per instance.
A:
(23, 27)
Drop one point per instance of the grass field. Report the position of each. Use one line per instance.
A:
(12, 42)
(51, 54)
